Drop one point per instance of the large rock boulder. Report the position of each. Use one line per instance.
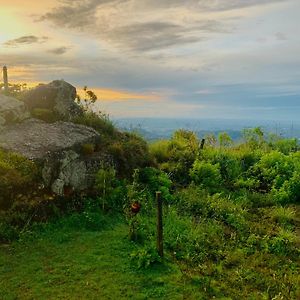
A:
(59, 150)
(11, 110)
(57, 96)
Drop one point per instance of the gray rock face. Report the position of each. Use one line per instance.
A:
(57, 147)
(34, 138)
(12, 110)
(58, 96)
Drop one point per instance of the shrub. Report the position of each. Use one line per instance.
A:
(206, 174)
(144, 257)
(282, 243)
(283, 215)
(225, 140)
(129, 152)
(176, 156)
(44, 114)
(273, 170)
(160, 150)
(105, 180)
(18, 176)
(284, 146)
(155, 180)
(99, 121)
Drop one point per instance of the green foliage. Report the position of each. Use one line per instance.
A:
(206, 174)
(145, 257)
(129, 152)
(18, 176)
(176, 157)
(282, 145)
(155, 180)
(99, 121)
(105, 180)
(226, 231)
(225, 140)
(254, 137)
(283, 215)
(46, 115)
(160, 150)
(282, 243)
(230, 163)
(8, 232)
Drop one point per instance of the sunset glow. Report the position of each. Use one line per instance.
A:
(200, 58)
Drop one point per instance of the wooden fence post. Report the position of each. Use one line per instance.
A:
(202, 144)
(160, 246)
(5, 79)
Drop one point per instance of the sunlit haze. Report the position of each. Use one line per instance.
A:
(230, 59)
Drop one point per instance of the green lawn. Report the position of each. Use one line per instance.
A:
(62, 262)
(88, 256)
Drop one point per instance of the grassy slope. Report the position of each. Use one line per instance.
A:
(70, 263)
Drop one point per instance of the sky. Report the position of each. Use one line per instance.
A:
(230, 59)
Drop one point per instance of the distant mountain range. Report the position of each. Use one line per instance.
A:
(159, 128)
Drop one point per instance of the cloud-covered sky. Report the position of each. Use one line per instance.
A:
(162, 58)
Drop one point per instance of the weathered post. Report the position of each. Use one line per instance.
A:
(5, 79)
(160, 246)
(202, 144)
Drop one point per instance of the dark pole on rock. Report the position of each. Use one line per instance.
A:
(160, 246)
(5, 79)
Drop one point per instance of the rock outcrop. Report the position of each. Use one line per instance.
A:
(64, 151)
(57, 96)
(12, 110)
(34, 138)
(58, 149)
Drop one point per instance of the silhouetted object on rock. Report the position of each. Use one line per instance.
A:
(202, 144)
(5, 79)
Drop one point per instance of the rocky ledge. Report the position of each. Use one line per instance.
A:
(58, 148)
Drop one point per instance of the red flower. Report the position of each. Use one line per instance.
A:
(135, 207)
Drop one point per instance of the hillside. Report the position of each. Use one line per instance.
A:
(78, 208)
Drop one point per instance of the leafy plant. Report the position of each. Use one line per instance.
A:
(105, 179)
(206, 174)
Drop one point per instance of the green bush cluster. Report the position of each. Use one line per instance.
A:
(17, 177)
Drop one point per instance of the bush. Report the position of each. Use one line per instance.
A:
(283, 215)
(129, 152)
(144, 257)
(273, 169)
(176, 156)
(155, 180)
(18, 176)
(206, 174)
(160, 150)
(100, 122)
(46, 115)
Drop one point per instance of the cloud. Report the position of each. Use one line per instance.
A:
(25, 40)
(280, 36)
(75, 13)
(59, 50)
(157, 35)
(146, 25)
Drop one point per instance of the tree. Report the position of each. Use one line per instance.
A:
(224, 139)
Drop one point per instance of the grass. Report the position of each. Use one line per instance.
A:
(88, 256)
(59, 261)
